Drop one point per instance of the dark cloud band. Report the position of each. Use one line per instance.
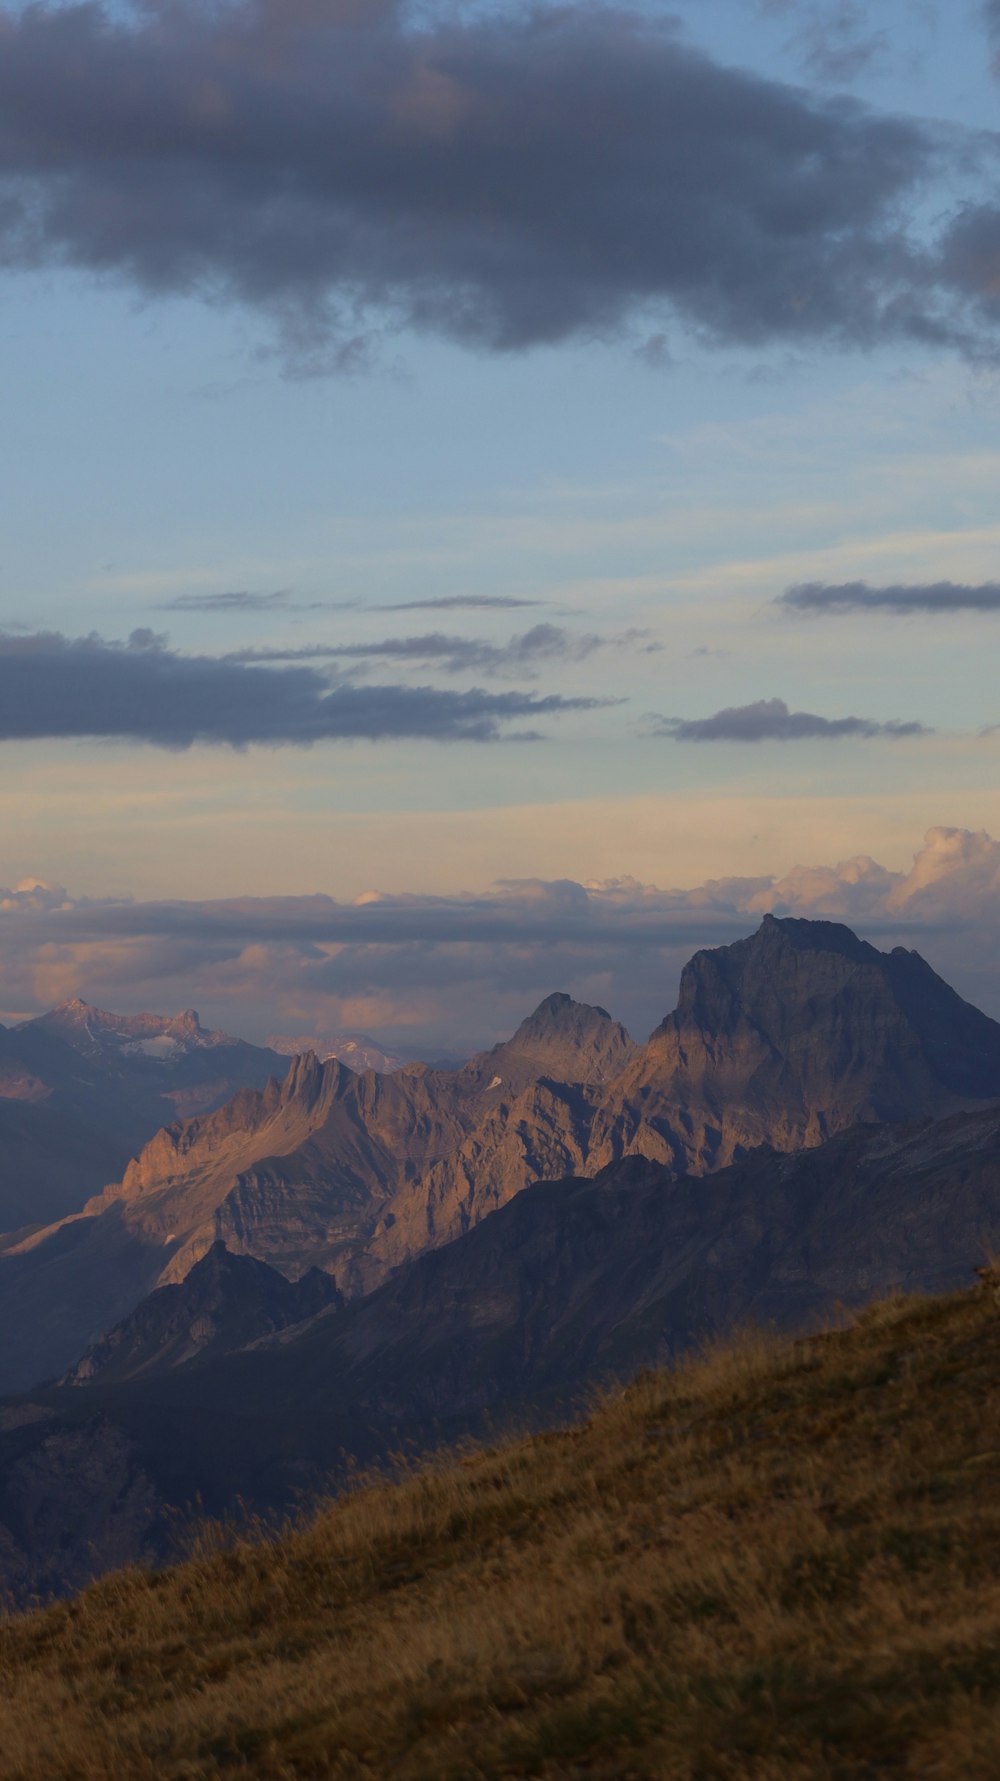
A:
(902, 598)
(55, 686)
(770, 720)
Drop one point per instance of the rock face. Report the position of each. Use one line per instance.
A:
(789, 1036)
(225, 1303)
(786, 1038)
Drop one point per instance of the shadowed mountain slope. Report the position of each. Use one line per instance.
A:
(570, 1282)
(226, 1302)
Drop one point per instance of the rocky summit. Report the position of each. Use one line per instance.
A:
(792, 1035)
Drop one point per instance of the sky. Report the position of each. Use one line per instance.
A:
(493, 498)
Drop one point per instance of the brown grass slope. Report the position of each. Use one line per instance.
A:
(781, 1560)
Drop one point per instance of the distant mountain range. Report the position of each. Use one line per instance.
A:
(815, 1122)
(355, 1050)
(81, 1091)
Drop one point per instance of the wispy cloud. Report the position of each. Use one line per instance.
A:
(235, 600)
(770, 720)
(505, 178)
(244, 603)
(833, 39)
(991, 15)
(544, 646)
(462, 603)
(901, 598)
(56, 686)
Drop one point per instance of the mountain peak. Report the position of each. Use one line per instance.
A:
(567, 1040)
(811, 936)
(95, 1030)
(310, 1081)
(808, 1017)
(560, 1010)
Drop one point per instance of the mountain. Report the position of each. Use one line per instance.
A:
(165, 1066)
(82, 1090)
(796, 1033)
(571, 1282)
(793, 1034)
(226, 1302)
(327, 1168)
(778, 1561)
(355, 1050)
(563, 1041)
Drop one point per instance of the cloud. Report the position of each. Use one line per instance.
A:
(459, 971)
(969, 261)
(501, 177)
(991, 15)
(834, 41)
(769, 720)
(902, 598)
(544, 646)
(239, 600)
(462, 603)
(242, 602)
(56, 686)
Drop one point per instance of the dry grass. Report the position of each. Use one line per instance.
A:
(781, 1561)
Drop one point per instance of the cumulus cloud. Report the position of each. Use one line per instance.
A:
(857, 596)
(770, 720)
(544, 646)
(504, 177)
(56, 686)
(456, 972)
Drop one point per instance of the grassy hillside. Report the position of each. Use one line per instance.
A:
(782, 1560)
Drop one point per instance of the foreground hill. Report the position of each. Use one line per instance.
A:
(569, 1283)
(82, 1090)
(784, 1039)
(781, 1560)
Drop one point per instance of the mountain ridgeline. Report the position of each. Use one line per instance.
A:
(783, 1040)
